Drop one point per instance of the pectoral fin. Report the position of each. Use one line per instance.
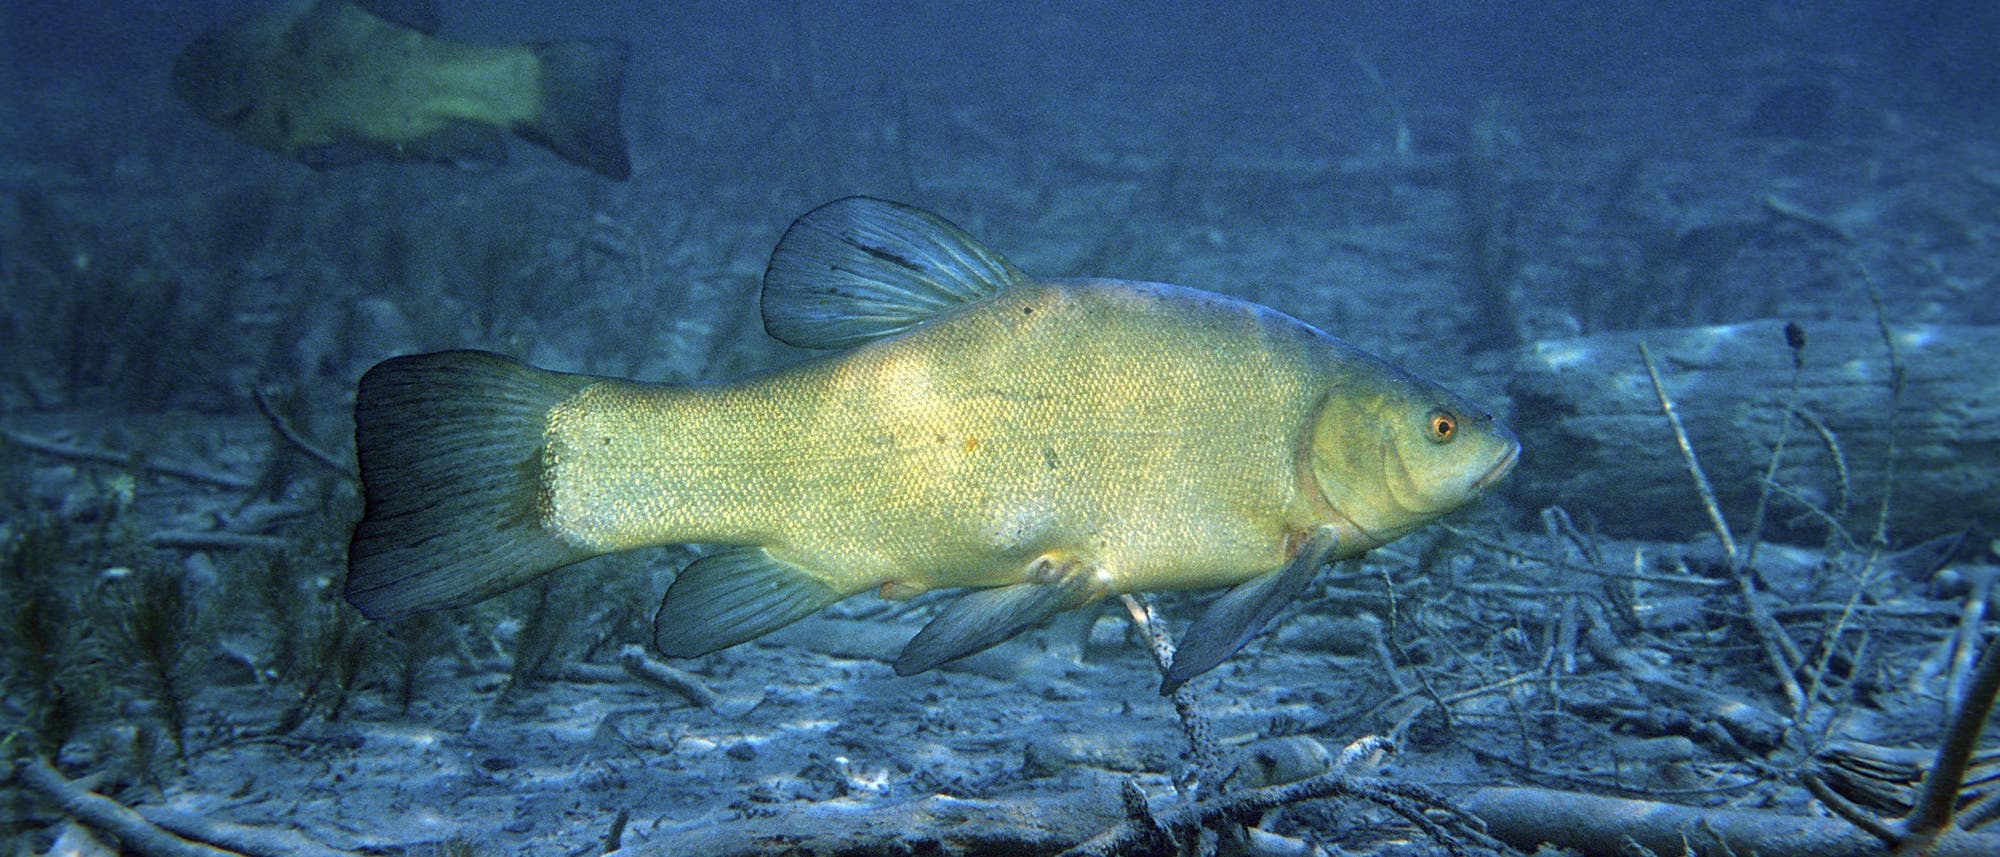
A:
(733, 596)
(988, 617)
(1240, 613)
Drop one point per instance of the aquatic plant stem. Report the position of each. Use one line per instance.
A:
(1795, 337)
(1933, 812)
(1701, 483)
(1779, 649)
(1897, 378)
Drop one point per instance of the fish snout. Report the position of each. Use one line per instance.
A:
(1500, 468)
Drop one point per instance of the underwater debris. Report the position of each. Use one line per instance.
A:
(1578, 395)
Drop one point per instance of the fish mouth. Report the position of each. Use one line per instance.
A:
(1500, 468)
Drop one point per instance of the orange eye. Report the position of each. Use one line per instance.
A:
(1444, 427)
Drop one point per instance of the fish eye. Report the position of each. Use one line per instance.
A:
(1443, 426)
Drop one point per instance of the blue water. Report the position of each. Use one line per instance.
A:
(1463, 188)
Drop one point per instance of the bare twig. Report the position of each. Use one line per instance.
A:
(284, 429)
(1745, 721)
(1701, 483)
(1846, 809)
(1408, 800)
(1934, 808)
(645, 668)
(242, 838)
(1779, 648)
(120, 459)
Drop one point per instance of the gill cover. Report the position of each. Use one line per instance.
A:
(1393, 454)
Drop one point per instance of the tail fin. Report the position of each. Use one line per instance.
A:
(451, 461)
(581, 85)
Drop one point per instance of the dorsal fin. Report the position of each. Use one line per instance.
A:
(858, 268)
(419, 15)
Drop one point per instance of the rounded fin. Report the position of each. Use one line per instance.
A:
(731, 597)
(859, 268)
(451, 457)
(582, 83)
(988, 617)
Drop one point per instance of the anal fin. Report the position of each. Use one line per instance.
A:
(730, 597)
(988, 617)
(1235, 617)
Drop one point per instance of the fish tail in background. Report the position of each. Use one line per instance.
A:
(451, 471)
(582, 82)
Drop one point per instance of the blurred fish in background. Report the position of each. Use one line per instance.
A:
(332, 82)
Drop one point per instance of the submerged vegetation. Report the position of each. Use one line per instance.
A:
(55, 680)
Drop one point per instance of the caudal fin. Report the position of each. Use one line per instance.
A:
(451, 461)
(582, 82)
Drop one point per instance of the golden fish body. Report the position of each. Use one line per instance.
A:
(329, 82)
(1044, 442)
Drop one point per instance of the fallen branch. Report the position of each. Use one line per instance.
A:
(1578, 395)
(644, 667)
(120, 459)
(1748, 723)
(1194, 722)
(215, 540)
(1779, 649)
(133, 831)
(937, 825)
(1934, 808)
(240, 838)
(1528, 817)
(1411, 801)
(291, 435)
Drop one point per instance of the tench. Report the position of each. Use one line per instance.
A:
(1043, 442)
(333, 82)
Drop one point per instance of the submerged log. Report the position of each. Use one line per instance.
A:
(939, 825)
(1595, 825)
(1594, 440)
